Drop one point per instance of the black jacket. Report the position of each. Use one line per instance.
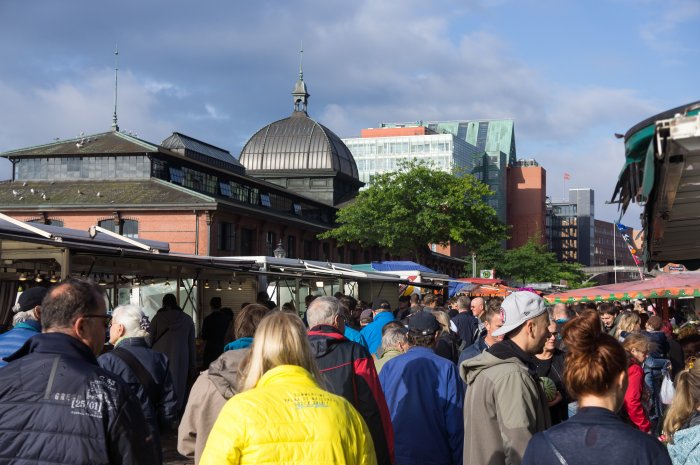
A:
(348, 371)
(58, 406)
(164, 414)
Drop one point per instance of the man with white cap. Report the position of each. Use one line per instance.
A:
(505, 404)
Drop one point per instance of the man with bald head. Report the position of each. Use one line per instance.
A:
(57, 404)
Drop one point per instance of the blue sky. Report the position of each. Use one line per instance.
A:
(570, 73)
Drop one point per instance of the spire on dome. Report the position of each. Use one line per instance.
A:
(301, 94)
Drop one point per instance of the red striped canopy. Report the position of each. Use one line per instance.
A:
(666, 285)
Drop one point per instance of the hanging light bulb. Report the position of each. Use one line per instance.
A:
(229, 286)
(136, 281)
(52, 277)
(167, 282)
(218, 286)
(240, 286)
(22, 276)
(38, 278)
(102, 281)
(206, 284)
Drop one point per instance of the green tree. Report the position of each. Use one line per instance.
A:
(533, 263)
(489, 256)
(417, 205)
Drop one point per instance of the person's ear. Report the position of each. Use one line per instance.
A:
(79, 326)
(37, 313)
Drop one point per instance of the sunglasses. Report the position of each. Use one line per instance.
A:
(107, 318)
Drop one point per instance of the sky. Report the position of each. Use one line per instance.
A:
(570, 73)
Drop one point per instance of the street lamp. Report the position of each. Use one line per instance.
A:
(279, 252)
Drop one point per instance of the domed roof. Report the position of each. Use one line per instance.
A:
(297, 143)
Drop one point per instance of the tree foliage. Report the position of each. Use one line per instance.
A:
(417, 205)
(533, 263)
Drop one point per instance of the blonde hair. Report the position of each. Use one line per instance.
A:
(627, 323)
(279, 340)
(443, 319)
(132, 318)
(685, 402)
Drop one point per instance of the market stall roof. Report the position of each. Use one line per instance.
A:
(668, 285)
(35, 246)
(411, 273)
(308, 269)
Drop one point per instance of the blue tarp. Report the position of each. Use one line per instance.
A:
(455, 287)
(400, 266)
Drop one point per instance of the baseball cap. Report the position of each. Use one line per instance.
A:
(381, 304)
(423, 323)
(517, 308)
(366, 315)
(30, 299)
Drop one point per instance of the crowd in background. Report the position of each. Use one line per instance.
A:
(467, 381)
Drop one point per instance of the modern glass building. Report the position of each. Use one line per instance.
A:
(375, 155)
(491, 144)
(571, 227)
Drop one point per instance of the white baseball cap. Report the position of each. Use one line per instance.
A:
(517, 308)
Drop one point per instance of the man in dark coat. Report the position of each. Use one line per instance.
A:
(57, 405)
(348, 370)
(214, 329)
(172, 333)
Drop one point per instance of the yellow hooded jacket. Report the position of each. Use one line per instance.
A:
(288, 418)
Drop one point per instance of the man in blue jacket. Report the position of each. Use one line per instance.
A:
(26, 321)
(372, 333)
(57, 405)
(424, 395)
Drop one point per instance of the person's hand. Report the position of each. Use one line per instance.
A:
(556, 400)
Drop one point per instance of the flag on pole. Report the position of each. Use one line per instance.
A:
(567, 176)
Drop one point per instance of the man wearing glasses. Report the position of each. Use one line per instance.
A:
(57, 404)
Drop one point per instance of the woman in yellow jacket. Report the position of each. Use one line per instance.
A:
(282, 415)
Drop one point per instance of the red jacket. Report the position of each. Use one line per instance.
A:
(633, 397)
(348, 370)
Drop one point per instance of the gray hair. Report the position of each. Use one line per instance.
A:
(323, 311)
(132, 318)
(562, 308)
(392, 337)
(20, 317)
(463, 302)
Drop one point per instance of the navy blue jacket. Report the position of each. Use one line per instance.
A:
(58, 406)
(467, 327)
(425, 397)
(12, 340)
(159, 416)
(595, 436)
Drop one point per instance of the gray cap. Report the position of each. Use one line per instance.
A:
(517, 308)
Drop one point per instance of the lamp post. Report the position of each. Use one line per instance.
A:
(279, 252)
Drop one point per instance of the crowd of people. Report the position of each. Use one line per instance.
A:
(468, 381)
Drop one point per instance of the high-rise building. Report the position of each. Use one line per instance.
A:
(527, 185)
(492, 145)
(571, 227)
(379, 150)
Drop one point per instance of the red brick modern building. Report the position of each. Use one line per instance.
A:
(527, 186)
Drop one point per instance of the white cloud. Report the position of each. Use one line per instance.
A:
(40, 114)
(660, 34)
